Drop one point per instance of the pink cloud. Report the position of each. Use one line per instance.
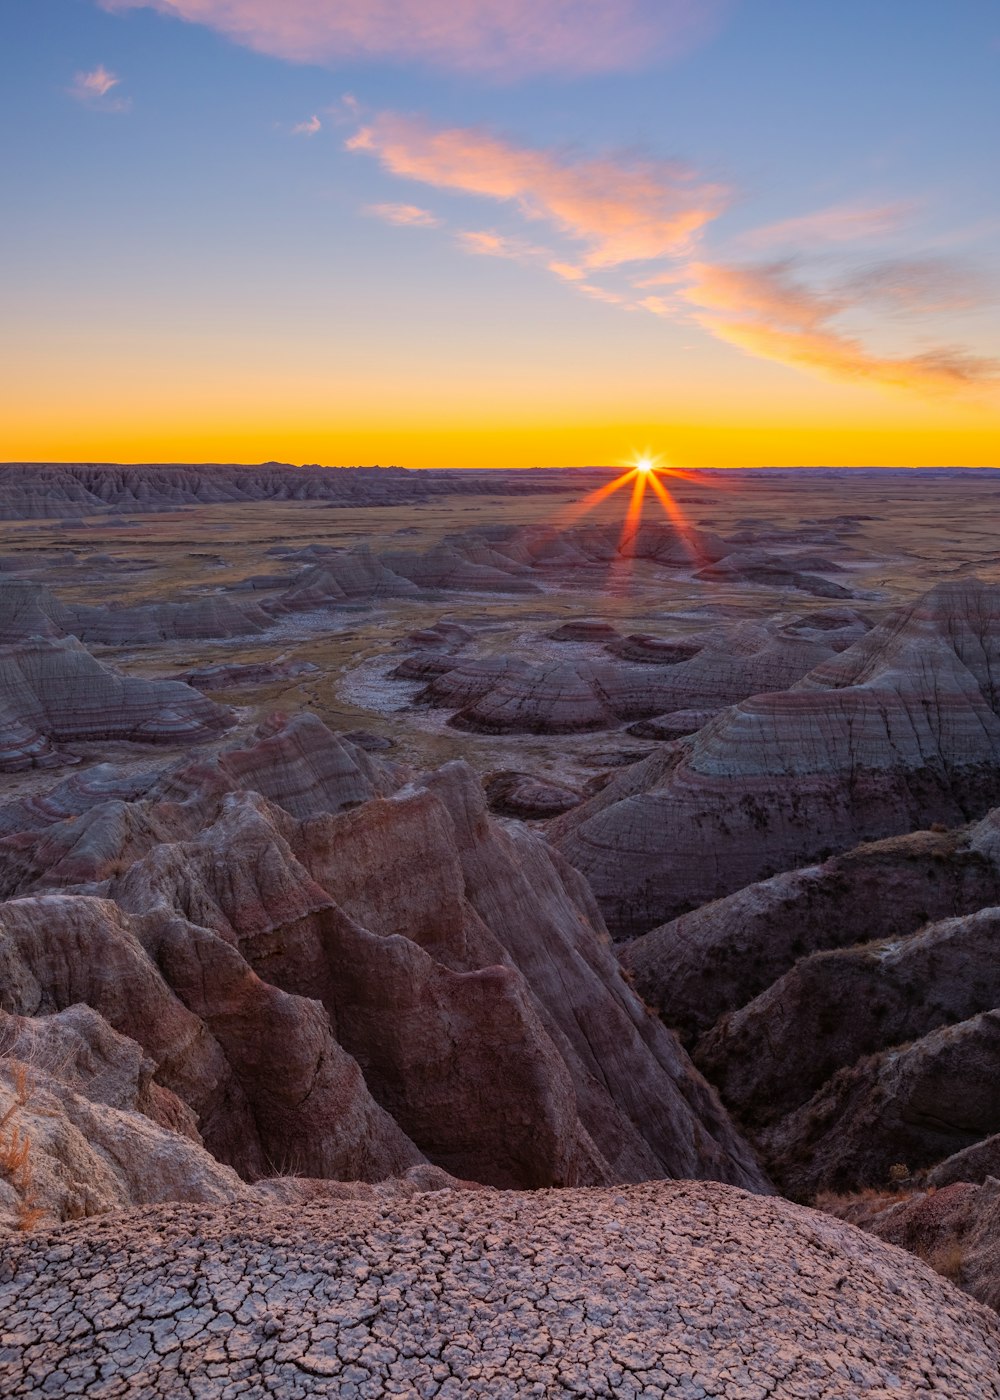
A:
(602, 294)
(659, 306)
(569, 272)
(93, 88)
(495, 36)
(486, 243)
(308, 128)
(620, 211)
(839, 223)
(407, 215)
(764, 312)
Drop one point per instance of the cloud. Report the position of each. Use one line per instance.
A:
(505, 37)
(602, 294)
(308, 128)
(766, 313)
(485, 244)
(620, 211)
(839, 223)
(569, 272)
(919, 286)
(93, 88)
(659, 306)
(408, 215)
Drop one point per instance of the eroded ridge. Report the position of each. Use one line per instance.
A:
(679, 1289)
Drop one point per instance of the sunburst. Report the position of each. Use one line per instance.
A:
(643, 472)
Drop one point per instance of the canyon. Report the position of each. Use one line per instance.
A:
(414, 876)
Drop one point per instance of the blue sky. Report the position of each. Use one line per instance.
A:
(170, 240)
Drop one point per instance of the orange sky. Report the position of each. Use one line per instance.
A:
(499, 233)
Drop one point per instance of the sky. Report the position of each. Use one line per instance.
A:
(500, 233)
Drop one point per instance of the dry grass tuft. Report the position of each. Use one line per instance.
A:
(947, 1259)
(15, 1153)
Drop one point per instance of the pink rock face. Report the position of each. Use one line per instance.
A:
(661, 1290)
(900, 730)
(328, 968)
(55, 692)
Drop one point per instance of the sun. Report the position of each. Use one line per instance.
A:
(646, 472)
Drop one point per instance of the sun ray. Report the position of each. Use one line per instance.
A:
(619, 575)
(595, 498)
(678, 519)
(645, 469)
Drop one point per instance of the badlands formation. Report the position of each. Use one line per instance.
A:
(453, 945)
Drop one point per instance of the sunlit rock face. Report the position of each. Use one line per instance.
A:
(325, 961)
(658, 1290)
(899, 730)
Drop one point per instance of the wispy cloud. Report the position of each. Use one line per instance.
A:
(618, 210)
(765, 312)
(504, 37)
(919, 286)
(93, 88)
(644, 221)
(409, 215)
(569, 272)
(308, 128)
(602, 294)
(838, 223)
(486, 243)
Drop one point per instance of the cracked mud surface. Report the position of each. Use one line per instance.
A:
(679, 1289)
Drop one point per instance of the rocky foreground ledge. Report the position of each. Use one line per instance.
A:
(680, 1289)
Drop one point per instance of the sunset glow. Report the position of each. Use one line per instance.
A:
(492, 233)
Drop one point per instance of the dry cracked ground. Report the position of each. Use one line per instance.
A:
(681, 1290)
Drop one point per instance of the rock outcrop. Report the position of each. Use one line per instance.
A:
(528, 797)
(50, 490)
(661, 1290)
(717, 958)
(84, 1129)
(251, 673)
(760, 566)
(904, 933)
(31, 610)
(507, 694)
(54, 693)
(955, 1230)
(900, 730)
(326, 967)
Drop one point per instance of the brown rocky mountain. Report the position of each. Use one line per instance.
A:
(508, 694)
(29, 609)
(323, 964)
(54, 693)
(47, 490)
(904, 933)
(955, 1229)
(900, 730)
